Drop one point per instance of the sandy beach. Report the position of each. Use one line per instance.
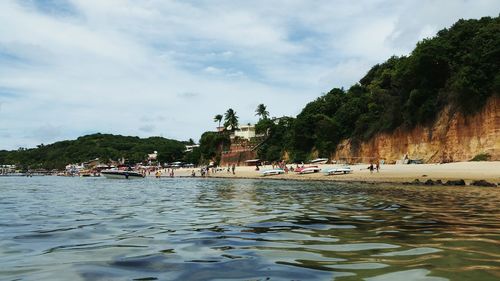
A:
(468, 171)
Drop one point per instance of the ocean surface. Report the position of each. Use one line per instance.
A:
(56, 228)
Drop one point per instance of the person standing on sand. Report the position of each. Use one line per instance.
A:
(377, 166)
(233, 168)
(371, 168)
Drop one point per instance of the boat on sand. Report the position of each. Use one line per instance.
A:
(308, 170)
(338, 171)
(273, 172)
(319, 161)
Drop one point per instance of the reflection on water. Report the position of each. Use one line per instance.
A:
(171, 229)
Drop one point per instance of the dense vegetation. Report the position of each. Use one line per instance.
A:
(103, 146)
(458, 68)
(211, 146)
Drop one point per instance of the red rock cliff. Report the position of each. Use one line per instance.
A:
(453, 137)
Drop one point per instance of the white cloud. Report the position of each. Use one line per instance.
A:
(147, 128)
(46, 132)
(98, 65)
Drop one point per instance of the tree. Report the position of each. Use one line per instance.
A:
(261, 111)
(218, 118)
(102, 146)
(211, 145)
(230, 119)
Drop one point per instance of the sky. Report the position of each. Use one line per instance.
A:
(165, 68)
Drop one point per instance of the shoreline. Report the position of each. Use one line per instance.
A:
(469, 172)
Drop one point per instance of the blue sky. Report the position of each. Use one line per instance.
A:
(165, 68)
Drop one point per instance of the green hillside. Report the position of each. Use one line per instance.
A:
(459, 67)
(103, 146)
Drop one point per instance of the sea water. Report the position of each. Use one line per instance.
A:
(56, 228)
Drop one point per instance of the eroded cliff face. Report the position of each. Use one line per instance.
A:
(453, 137)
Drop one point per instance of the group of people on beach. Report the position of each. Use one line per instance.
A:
(169, 171)
(282, 165)
(205, 171)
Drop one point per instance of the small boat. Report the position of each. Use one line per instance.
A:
(120, 174)
(308, 170)
(273, 172)
(338, 170)
(319, 161)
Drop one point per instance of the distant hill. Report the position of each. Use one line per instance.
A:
(103, 146)
(457, 70)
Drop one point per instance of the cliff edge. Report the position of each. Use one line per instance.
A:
(452, 137)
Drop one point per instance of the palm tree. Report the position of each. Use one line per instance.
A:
(261, 111)
(218, 118)
(230, 119)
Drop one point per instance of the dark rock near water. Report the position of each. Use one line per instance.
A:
(483, 183)
(455, 182)
(439, 182)
(429, 182)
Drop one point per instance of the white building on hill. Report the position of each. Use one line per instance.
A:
(245, 132)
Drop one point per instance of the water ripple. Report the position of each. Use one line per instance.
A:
(196, 229)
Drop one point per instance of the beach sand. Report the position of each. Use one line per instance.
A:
(468, 171)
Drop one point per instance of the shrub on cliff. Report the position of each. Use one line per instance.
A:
(481, 157)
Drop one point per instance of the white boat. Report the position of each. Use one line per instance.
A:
(319, 161)
(308, 170)
(272, 172)
(120, 174)
(338, 170)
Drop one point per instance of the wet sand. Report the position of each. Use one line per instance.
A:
(468, 171)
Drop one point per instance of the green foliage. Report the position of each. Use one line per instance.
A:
(263, 126)
(218, 118)
(481, 157)
(262, 112)
(279, 135)
(230, 119)
(457, 68)
(211, 144)
(103, 146)
(193, 157)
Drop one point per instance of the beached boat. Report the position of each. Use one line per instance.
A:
(120, 174)
(319, 161)
(273, 172)
(308, 170)
(338, 170)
